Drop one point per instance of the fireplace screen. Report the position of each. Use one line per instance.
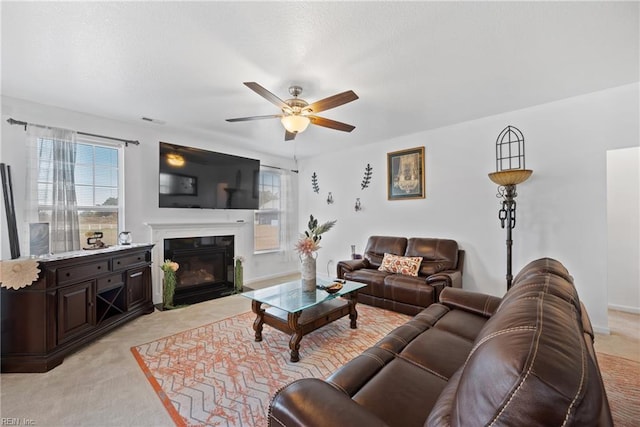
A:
(206, 266)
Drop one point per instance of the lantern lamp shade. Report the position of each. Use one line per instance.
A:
(510, 177)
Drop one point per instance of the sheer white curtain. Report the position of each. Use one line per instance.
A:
(289, 229)
(52, 190)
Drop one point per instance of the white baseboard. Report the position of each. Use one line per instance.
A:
(625, 308)
(270, 277)
(600, 330)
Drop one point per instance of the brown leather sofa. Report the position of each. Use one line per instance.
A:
(470, 360)
(441, 267)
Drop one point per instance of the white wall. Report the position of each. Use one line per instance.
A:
(561, 209)
(141, 175)
(623, 219)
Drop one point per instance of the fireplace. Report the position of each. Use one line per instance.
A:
(206, 267)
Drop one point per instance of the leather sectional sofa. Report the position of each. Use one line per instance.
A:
(526, 359)
(441, 267)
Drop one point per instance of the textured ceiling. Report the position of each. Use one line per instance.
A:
(415, 65)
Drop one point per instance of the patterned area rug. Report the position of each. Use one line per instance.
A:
(218, 375)
(621, 379)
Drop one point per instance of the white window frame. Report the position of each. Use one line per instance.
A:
(120, 209)
(269, 210)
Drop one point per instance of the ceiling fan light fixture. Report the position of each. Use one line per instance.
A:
(295, 123)
(175, 159)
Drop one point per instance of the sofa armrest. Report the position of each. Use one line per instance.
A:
(444, 279)
(474, 302)
(313, 402)
(350, 265)
(452, 278)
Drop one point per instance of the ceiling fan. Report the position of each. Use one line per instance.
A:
(298, 113)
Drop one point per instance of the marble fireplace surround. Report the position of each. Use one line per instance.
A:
(159, 231)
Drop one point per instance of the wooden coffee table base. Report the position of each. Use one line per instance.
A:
(303, 322)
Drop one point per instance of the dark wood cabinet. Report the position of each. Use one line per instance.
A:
(76, 314)
(76, 299)
(137, 292)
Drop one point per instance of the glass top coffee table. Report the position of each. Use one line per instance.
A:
(297, 312)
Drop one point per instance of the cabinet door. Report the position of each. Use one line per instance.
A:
(76, 310)
(138, 287)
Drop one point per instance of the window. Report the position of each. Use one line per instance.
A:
(268, 218)
(97, 188)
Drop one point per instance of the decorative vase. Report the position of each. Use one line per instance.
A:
(169, 289)
(238, 276)
(308, 263)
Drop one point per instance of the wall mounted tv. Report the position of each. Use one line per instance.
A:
(195, 178)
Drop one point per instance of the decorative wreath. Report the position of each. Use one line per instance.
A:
(18, 273)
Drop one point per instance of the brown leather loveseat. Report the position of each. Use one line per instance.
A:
(440, 267)
(526, 359)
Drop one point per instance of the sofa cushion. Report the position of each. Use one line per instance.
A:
(401, 394)
(408, 266)
(408, 289)
(377, 246)
(374, 279)
(437, 254)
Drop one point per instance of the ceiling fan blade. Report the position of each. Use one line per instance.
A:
(332, 101)
(327, 123)
(266, 94)
(289, 136)
(246, 119)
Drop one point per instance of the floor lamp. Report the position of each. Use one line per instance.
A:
(510, 171)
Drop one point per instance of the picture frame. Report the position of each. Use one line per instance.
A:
(406, 174)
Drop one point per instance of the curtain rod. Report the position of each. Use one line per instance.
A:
(126, 141)
(282, 169)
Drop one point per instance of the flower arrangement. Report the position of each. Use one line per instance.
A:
(169, 267)
(309, 241)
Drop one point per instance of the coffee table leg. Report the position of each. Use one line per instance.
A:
(296, 337)
(353, 313)
(256, 307)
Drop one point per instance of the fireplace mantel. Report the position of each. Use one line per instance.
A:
(182, 225)
(171, 230)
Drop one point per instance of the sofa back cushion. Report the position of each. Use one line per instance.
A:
(437, 254)
(377, 246)
(544, 275)
(530, 365)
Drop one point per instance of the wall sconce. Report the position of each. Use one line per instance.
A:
(510, 171)
(330, 198)
(358, 205)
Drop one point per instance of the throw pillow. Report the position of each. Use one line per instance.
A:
(407, 265)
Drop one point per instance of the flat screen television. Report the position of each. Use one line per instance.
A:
(195, 178)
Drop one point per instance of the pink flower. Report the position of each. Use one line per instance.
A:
(306, 246)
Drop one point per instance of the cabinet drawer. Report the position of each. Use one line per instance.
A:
(82, 271)
(110, 281)
(129, 260)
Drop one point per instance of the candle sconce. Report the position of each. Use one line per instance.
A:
(330, 198)
(510, 171)
(358, 206)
